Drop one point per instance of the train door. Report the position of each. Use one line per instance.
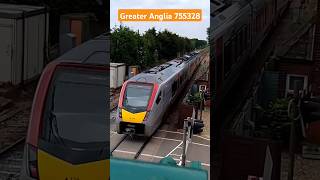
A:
(159, 104)
(165, 96)
(5, 53)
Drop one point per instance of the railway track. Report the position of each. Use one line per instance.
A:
(13, 129)
(119, 143)
(140, 144)
(11, 161)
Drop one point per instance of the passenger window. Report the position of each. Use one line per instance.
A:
(158, 98)
(174, 88)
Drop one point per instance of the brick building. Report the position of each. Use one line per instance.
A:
(298, 60)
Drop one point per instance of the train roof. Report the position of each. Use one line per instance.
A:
(163, 72)
(225, 15)
(95, 51)
(232, 10)
(229, 15)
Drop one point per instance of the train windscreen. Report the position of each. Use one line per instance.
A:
(75, 113)
(137, 97)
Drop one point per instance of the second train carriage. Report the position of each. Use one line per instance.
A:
(236, 34)
(145, 97)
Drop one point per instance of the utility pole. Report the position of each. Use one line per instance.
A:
(201, 103)
(184, 141)
(293, 115)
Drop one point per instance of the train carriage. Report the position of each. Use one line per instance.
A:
(236, 34)
(145, 97)
(67, 134)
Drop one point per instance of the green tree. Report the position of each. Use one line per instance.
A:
(150, 42)
(134, 49)
(126, 46)
(168, 45)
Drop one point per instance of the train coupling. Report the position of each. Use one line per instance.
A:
(129, 130)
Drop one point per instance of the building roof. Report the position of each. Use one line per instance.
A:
(117, 64)
(15, 11)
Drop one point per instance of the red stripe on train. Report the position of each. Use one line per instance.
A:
(123, 90)
(39, 104)
(153, 96)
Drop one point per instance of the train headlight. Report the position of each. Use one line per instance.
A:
(32, 161)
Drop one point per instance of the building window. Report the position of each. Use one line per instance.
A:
(202, 88)
(302, 83)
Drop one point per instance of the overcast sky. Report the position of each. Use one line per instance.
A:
(185, 29)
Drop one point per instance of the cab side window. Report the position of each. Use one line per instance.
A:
(158, 98)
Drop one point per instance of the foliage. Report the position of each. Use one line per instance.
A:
(126, 46)
(275, 121)
(150, 42)
(195, 98)
(278, 104)
(149, 48)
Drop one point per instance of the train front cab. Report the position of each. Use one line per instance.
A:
(67, 137)
(134, 114)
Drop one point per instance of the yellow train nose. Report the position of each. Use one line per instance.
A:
(51, 168)
(133, 117)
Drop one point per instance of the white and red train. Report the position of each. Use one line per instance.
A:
(145, 98)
